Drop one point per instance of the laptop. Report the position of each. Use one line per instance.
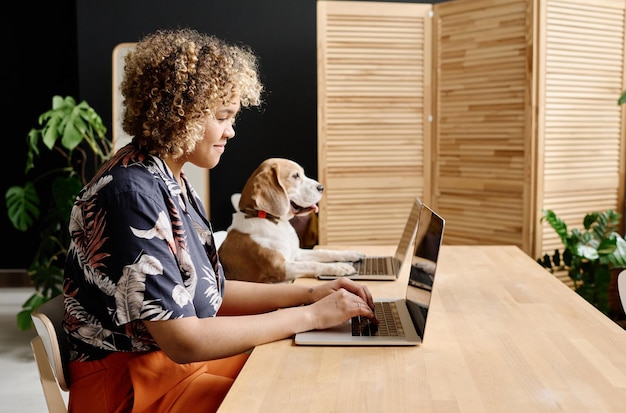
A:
(424, 261)
(409, 313)
(386, 268)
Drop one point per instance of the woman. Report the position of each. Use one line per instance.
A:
(153, 324)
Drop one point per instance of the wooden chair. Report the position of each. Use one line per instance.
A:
(51, 350)
(621, 287)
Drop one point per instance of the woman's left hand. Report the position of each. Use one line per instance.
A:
(347, 284)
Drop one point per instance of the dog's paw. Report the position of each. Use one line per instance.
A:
(340, 269)
(352, 256)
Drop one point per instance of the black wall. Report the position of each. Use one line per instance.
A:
(39, 60)
(281, 32)
(71, 55)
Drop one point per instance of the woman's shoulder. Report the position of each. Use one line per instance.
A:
(130, 170)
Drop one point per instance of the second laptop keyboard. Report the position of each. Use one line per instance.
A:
(373, 266)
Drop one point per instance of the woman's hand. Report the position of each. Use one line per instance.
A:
(339, 300)
(347, 284)
(339, 306)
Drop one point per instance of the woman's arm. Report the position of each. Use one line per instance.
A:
(241, 297)
(191, 339)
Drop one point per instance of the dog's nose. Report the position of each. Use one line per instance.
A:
(320, 188)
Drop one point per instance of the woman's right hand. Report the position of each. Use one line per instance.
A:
(339, 306)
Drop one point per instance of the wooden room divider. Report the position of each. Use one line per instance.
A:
(373, 125)
(523, 100)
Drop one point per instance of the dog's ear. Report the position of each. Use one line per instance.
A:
(264, 191)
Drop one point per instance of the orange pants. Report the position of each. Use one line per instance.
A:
(150, 382)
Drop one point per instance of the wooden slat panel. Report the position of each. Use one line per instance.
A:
(526, 117)
(373, 140)
(581, 128)
(481, 181)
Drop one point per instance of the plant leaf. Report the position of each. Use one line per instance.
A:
(607, 245)
(92, 119)
(59, 101)
(72, 137)
(607, 222)
(22, 206)
(24, 321)
(64, 191)
(590, 219)
(587, 251)
(622, 99)
(557, 224)
(50, 132)
(48, 279)
(618, 258)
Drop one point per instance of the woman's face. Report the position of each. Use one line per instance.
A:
(218, 130)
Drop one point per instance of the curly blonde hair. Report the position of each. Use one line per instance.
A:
(173, 79)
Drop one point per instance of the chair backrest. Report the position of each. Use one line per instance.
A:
(621, 287)
(51, 350)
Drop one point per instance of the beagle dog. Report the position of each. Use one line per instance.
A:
(261, 245)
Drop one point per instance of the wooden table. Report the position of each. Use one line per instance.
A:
(503, 335)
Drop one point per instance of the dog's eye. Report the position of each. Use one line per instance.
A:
(296, 175)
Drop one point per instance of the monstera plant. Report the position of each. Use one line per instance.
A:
(589, 255)
(74, 137)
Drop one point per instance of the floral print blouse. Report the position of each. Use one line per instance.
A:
(142, 249)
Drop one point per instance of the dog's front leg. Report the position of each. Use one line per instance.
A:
(298, 269)
(328, 255)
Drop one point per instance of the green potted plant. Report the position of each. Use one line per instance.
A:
(74, 136)
(589, 255)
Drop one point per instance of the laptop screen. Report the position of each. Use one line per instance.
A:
(423, 266)
(408, 233)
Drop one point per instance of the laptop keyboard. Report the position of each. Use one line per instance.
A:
(389, 322)
(373, 266)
